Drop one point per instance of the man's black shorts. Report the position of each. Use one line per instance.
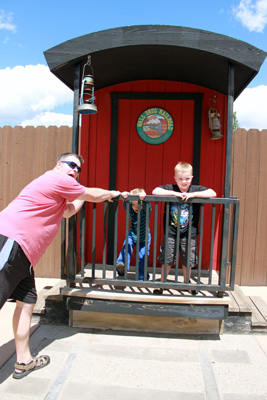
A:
(16, 273)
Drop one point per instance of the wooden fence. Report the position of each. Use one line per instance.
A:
(26, 153)
(249, 184)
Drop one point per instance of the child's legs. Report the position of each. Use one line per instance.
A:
(171, 251)
(168, 268)
(183, 255)
(185, 272)
(142, 253)
(121, 258)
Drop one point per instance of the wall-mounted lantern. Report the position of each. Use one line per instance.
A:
(87, 97)
(214, 121)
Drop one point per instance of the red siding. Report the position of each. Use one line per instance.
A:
(145, 165)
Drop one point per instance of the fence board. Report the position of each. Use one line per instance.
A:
(39, 151)
(5, 160)
(17, 165)
(28, 158)
(251, 200)
(260, 270)
(238, 188)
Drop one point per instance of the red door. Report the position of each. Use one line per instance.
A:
(144, 165)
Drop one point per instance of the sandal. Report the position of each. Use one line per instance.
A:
(26, 369)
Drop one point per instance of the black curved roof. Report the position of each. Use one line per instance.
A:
(162, 52)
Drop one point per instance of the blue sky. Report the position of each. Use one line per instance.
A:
(31, 95)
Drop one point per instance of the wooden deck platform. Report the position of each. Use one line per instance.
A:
(133, 308)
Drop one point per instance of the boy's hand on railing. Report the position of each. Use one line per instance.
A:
(185, 196)
(181, 195)
(142, 195)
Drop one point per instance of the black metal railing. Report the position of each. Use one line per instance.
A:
(217, 233)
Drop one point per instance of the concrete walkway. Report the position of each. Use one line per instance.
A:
(122, 365)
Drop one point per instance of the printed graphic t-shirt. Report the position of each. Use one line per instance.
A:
(33, 218)
(184, 214)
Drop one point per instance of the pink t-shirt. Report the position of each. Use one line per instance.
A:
(33, 218)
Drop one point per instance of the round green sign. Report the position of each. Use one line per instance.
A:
(155, 125)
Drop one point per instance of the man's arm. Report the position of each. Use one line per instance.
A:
(73, 208)
(97, 195)
(94, 195)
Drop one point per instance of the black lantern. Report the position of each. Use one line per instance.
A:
(214, 122)
(87, 97)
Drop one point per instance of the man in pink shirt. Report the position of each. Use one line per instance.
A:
(27, 227)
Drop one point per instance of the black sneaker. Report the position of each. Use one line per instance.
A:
(193, 292)
(157, 291)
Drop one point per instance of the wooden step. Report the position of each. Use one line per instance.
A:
(240, 302)
(246, 313)
(259, 312)
(44, 293)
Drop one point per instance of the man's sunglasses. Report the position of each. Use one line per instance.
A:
(73, 165)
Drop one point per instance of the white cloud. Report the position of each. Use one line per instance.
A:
(250, 108)
(29, 96)
(252, 14)
(49, 119)
(6, 21)
(30, 91)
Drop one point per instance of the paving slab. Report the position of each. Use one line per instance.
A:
(94, 364)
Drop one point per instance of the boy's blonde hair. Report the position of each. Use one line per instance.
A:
(183, 167)
(136, 191)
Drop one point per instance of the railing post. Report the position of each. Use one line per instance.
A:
(188, 249)
(146, 240)
(177, 243)
(105, 239)
(234, 243)
(82, 238)
(200, 242)
(115, 238)
(93, 240)
(167, 205)
(63, 248)
(137, 241)
(225, 236)
(126, 262)
(155, 239)
(212, 242)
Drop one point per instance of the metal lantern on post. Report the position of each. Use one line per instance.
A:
(87, 97)
(214, 122)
